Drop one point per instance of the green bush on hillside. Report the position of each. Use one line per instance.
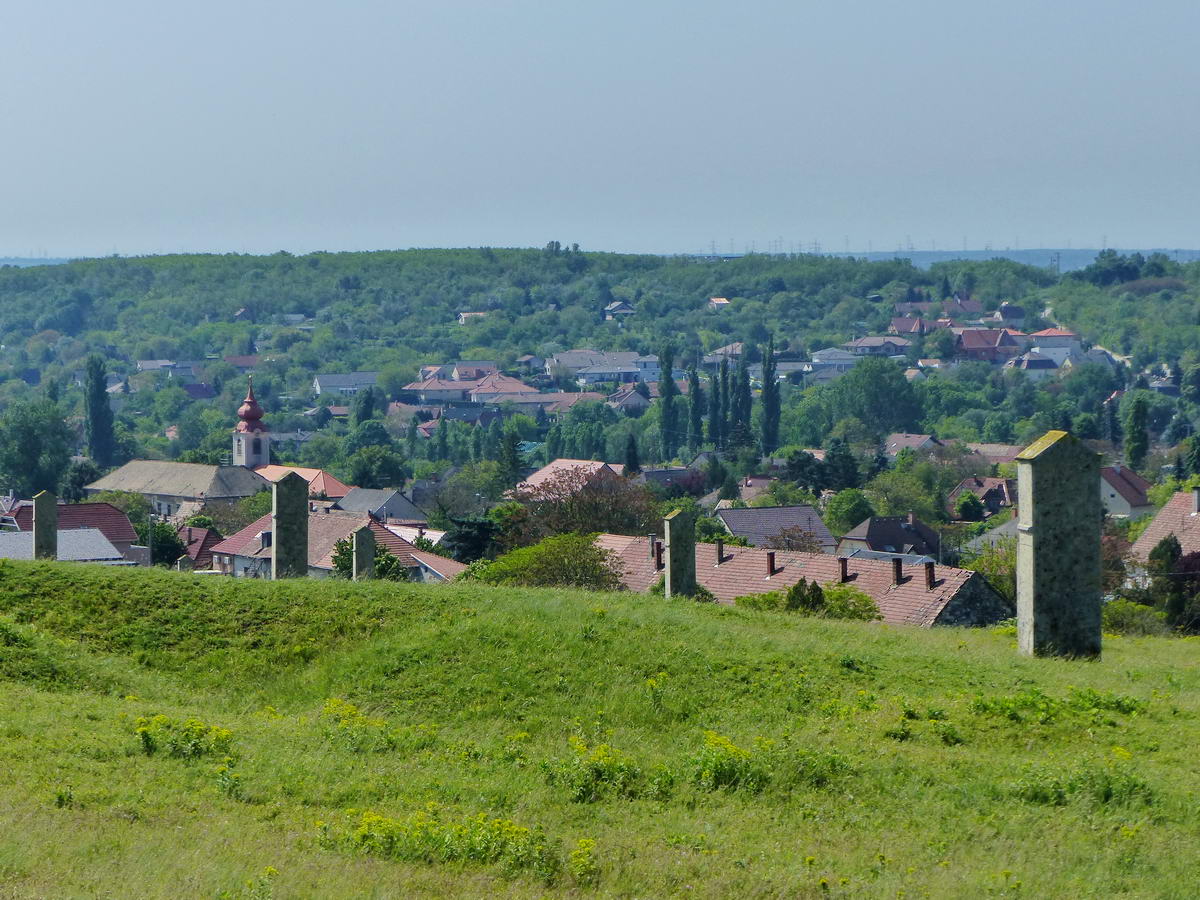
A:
(833, 601)
(565, 560)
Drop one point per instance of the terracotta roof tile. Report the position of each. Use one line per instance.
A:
(1177, 517)
(105, 517)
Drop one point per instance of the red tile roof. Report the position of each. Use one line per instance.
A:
(1177, 517)
(105, 517)
(1054, 332)
(558, 466)
(320, 482)
(325, 529)
(744, 571)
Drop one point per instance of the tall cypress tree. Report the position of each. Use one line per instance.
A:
(695, 410)
(99, 417)
(726, 401)
(770, 399)
(1192, 461)
(633, 463)
(668, 392)
(1137, 442)
(714, 413)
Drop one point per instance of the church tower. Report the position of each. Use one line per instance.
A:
(251, 441)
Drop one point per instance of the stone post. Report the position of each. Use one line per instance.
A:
(680, 531)
(289, 527)
(363, 559)
(1058, 547)
(45, 526)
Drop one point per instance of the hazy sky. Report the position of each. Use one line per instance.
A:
(659, 126)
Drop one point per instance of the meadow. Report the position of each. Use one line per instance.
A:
(168, 735)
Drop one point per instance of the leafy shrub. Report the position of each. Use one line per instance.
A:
(832, 601)
(1101, 786)
(593, 771)
(845, 601)
(582, 863)
(1126, 617)
(186, 739)
(30, 658)
(1036, 706)
(425, 837)
(723, 764)
(564, 560)
(771, 601)
(346, 724)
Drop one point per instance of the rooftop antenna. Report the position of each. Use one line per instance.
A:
(1056, 262)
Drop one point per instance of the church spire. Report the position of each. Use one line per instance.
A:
(250, 413)
(251, 443)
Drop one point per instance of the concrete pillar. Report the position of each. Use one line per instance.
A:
(1058, 547)
(363, 560)
(289, 527)
(45, 526)
(680, 530)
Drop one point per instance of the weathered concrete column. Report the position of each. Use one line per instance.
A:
(1058, 547)
(45, 526)
(679, 529)
(363, 559)
(289, 527)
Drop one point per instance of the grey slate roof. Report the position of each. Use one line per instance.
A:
(74, 545)
(761, 523)
(368, 500)
(175, 479)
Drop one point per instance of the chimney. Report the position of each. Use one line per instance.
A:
(843, 570)
(930, 577)
(720, 551)
(658, 555)
(189, 534)
(897, 569)
(1195, 500)
(652, 539)
(770, 563)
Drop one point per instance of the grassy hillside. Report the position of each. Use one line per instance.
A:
(705, 751)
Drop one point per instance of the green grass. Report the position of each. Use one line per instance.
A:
(707, 751)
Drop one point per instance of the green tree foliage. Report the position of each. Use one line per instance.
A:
(846, 509)
(969, 507)
(770, 399)
(672, 433)
(135, 506)
(35, 448)
(876, 392)
(469, 539)
(374, 466)
(98, 416)
(565, 560)
(163, 541)
(715, 420)
(696, 409)
(840, 467)
(1137, 441)
(367, 405)
(387, 566)
(79, 474)
(633, 463)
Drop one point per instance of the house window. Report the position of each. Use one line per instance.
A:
(257, 446)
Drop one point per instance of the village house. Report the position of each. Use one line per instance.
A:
(465, 317)
(718, 303)
(1057, 344)
(382, 504)
(1033, 365)
(921, 444)
(627, 400)
(74, 545)
(730, 354)
(923, 595)
(248, 553)
(911, 327)
(995, 493)
(767, 526)
(198, 544)
(1009, 315)
(618, 309)
(17, 515)
(878, 346)
(990, 345)
(346, 385)
(893, 535)
(180, 489)
(1123, 493)
(589, 472)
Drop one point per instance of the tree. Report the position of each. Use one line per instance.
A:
(807, 471)
(1192, 462)
(695, 410)
(469, 539)
(370, 433)
(667, 392)
(770, 399)
(969, 507)
(510, 459)
(365, 406)
(1189, 386)
(876, 392)
(998, 564)
(841, 469)
(632, 464)
(580, 501)
(565, 560)
(1137, 441)
(726, 400)
(387, 566)
(846, 509)
(35, 448)
(715, 422)
(163, 541)
(135, 506)
(377, 467)
(729, 489)
(98, 416)
(79, 474)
